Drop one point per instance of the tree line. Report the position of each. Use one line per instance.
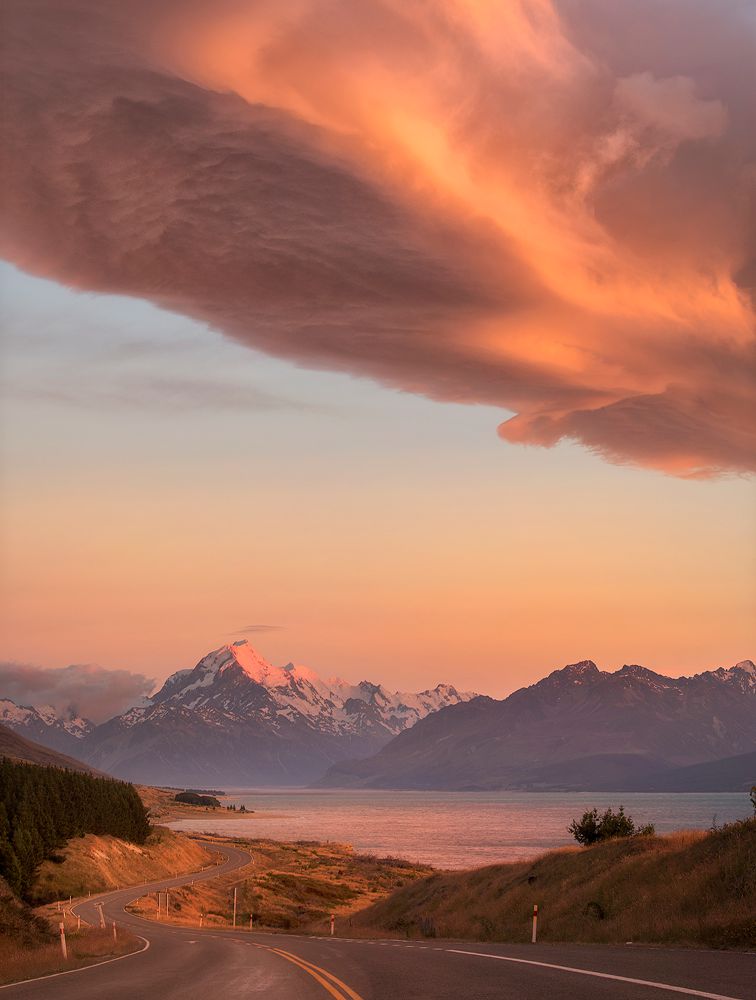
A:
(43, 807)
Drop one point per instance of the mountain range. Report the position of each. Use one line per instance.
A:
(43, 724)
(236, 719)
(580, 728)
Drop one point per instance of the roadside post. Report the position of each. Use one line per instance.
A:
(202, 917)
(63, 941)
(250, 921)
(333, 923)
(78, 922)
(115, 933)
(535, 924)
(234, 906)
(102, 915)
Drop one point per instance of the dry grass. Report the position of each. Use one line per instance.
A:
(163, 807)
(89, 945)
(96, 864)
(30, 942)
(688, 888)
(288, 887)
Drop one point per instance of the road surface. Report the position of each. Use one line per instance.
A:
(179, 963)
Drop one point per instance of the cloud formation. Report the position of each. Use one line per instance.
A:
(249, 629)
(544, 206)
(82, 689)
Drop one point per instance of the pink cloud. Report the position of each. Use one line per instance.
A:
(545, 207)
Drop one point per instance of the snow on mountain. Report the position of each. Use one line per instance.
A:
(235, 718)
(44, 725)
(221, 681)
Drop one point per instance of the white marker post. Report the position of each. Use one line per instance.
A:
(63, 941)
(234, 906)
(78, 922)
(535, 923)
(333, 923)
(202, 917)
(167, 902)
(115, 933)
(102, 916)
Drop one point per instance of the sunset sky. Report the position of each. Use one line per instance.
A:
(410, 342)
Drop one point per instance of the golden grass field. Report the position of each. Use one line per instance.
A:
(97, 863)
(692, 888)
(287, 887)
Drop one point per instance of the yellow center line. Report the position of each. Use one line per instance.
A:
(321, 975)
(350, 992)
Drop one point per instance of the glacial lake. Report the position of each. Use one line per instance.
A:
(455, 829)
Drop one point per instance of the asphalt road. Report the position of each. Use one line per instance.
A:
(185, 963)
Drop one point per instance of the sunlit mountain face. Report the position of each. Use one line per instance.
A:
(236, 718)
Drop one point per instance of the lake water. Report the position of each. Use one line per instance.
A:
(455, 829)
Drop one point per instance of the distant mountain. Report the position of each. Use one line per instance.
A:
(17, 747)
(45, 726)
(730, 774)
(236, 719)
(578, 728)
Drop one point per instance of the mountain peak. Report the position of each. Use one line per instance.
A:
(584, 670)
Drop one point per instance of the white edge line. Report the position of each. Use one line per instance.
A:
(107, 961)
(599, 975)
(83, 968)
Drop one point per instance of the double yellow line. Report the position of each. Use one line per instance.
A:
(329, 982)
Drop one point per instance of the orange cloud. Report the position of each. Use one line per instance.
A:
(476, 201)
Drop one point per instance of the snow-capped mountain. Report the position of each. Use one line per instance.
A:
(578, 728)
(237, 719)
(44, 725)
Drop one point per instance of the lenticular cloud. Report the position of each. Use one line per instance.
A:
(547, 207)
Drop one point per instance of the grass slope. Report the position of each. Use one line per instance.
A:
(18, 747)
(288, 887)
(687, 888)
(98, 863)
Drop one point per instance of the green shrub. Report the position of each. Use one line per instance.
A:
(195, 799)
(592, 828)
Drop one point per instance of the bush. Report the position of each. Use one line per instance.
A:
(592, 828)
(194, 799)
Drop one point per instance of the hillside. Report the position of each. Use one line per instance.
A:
(95, 863)
(687, 888)
(17, 747)
(580, 728)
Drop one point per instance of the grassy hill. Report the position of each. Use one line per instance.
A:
(687, 888)
(18, 747)
(98, 863)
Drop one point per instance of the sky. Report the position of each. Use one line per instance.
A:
(414, 346)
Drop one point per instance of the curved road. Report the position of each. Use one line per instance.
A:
(179, 963)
